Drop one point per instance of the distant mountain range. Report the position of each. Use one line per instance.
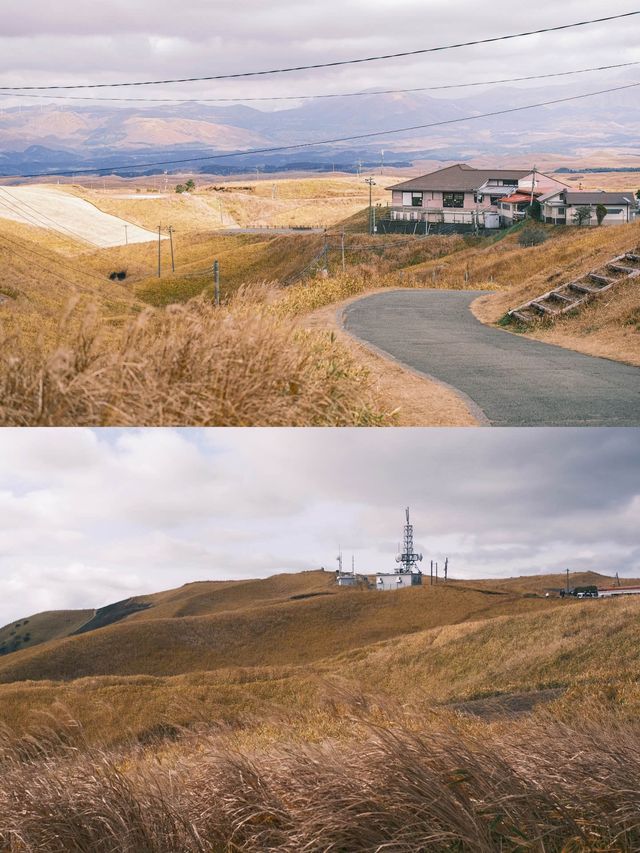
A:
(53, 138)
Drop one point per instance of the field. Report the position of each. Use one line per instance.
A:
(288, 714)
(113, 343)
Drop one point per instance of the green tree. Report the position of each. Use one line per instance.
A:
(582, 215)
(190, 186)
(180, 188)
(601, 212)
(535, 210)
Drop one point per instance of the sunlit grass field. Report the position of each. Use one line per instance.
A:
(113, 343)
(288, 713)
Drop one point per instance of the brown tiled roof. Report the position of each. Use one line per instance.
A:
(459, 178)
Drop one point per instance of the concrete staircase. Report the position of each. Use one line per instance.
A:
(569, 296)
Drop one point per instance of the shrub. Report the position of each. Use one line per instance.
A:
(532, 236)
(582, 215)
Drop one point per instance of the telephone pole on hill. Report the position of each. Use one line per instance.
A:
(371, 183)
(173, 265)
(159, 253)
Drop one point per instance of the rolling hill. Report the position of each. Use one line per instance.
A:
(243, 651)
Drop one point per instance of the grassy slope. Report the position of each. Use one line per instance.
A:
(43, 273)
(609, 326)
(42, 627)
(465, 645)
(278, 633)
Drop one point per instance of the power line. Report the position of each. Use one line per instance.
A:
(321, 96)
(300, 145)
(99, 278)
(335, 64)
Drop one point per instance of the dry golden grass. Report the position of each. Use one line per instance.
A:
(33, 630)
(609, 325)
(121, 368)
(42, 272)
(319, 201)
(394, 779)
(238, 365)
(278, 632)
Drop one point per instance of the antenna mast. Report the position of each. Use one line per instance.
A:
(408, 558)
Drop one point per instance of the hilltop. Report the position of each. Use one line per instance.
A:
(264, 638)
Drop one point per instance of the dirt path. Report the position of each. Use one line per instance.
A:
(54, 209)
(418, 401)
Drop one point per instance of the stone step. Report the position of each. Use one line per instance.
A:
(601, 279)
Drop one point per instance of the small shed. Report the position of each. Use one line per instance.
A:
(397, 580)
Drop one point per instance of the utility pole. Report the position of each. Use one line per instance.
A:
(567, 586)
(446, 568)
(126, 235)
(159, 254)
(371, 183)
(431, 575)
(173, 265)
(533, 186)
(342, 249)
(436, 572)
(216, 282)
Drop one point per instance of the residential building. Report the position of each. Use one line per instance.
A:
(464, 195)
(558, 207)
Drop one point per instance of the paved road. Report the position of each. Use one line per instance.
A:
(514, 380)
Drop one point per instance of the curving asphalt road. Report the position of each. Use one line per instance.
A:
(514, 380)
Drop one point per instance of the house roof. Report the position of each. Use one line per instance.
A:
(459, 178)
(515, 198)
(598, 198)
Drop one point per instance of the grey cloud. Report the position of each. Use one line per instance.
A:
(102, 41)
(152, 509)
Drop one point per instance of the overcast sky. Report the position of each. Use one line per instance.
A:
(90, 517)
(75, 41)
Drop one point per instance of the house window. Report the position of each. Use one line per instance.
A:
(614, 210)
(411, 199)
(453, 199)
(560, 211)
(510, 182)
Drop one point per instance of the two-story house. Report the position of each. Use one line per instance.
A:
(456, 194)
(463, 195)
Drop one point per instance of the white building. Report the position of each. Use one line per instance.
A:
(407, 574)
(558, 207)
(398, 580)
(610, 592)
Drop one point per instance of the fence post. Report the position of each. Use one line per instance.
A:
(216, 282)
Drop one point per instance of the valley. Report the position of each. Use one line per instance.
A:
(286, 249)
